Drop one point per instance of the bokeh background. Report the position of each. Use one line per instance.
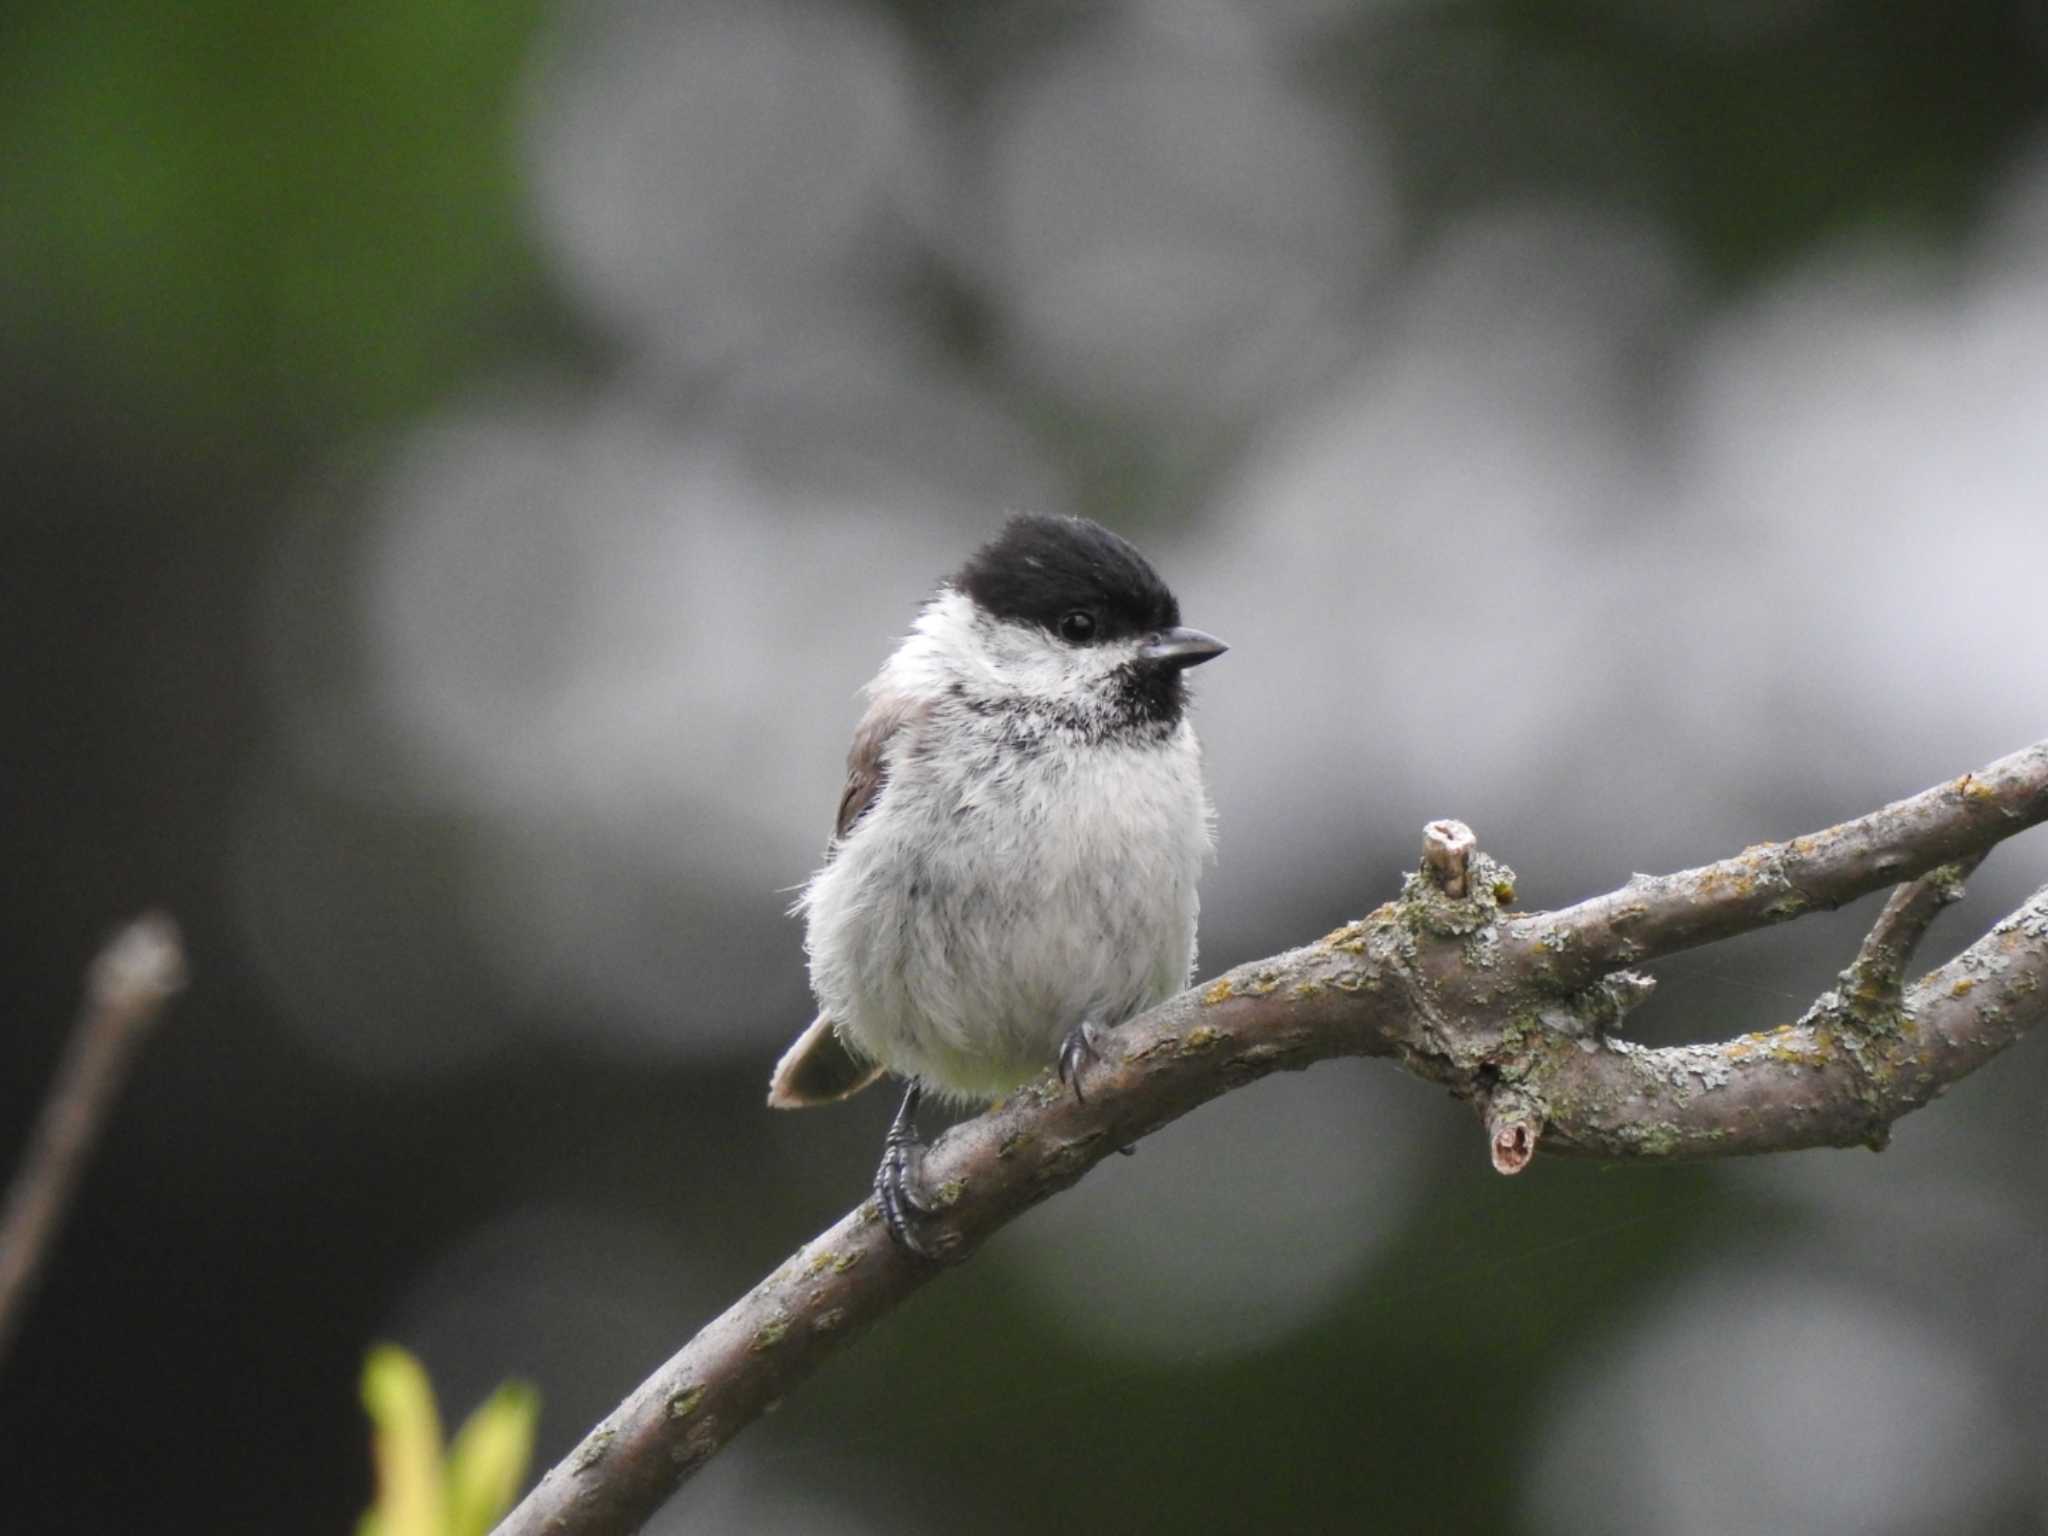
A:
(461, 461)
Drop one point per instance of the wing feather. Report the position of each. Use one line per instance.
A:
(820, 1068)
(867, 760)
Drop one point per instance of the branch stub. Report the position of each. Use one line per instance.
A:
(1447, 848)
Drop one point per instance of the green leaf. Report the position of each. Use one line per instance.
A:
(487, 1462)
(406, 1443)
(254, 213)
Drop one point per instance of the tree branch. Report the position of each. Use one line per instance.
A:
(130, 980)
(1775, 882)
(1513, 1013)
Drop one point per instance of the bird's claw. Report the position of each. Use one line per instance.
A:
(903, 1210)
(1082, 1046)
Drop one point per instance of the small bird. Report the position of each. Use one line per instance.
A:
(1014, 865)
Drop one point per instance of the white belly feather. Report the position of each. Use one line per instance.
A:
(986, 906)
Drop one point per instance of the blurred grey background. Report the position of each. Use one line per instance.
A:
(462, 460)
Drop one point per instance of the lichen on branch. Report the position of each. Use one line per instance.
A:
(1515, 1013)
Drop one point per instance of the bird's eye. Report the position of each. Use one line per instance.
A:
(1078, 626)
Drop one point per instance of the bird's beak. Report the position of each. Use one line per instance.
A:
(1174, 649)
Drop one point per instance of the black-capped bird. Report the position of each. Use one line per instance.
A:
(1024, 822)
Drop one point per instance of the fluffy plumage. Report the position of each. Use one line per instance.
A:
(1023, 826)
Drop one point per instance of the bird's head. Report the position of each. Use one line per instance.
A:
(1061, 614)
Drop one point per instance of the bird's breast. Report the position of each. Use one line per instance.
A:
(1003, 896)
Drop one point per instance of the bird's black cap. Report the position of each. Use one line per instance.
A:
(1040, 569)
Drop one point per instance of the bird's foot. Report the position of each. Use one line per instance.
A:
(897, 1180)
(1082, 1046)
(903, 1210)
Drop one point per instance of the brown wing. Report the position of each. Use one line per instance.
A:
(867, 766)
(820, 1067)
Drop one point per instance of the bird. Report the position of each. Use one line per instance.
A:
(1024, 823)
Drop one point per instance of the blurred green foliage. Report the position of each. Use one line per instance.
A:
(258, 212)
(420, 1490)
(278, 215)
(1751, 131)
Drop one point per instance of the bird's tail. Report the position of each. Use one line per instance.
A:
(819, 1069)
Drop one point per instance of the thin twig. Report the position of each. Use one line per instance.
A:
(1513, 1013)
(1877, 974)
(126, 987)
